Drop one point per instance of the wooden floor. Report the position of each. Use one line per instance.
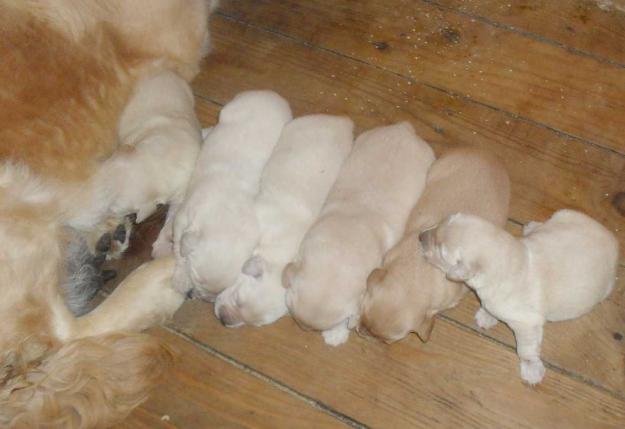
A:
(540, 83)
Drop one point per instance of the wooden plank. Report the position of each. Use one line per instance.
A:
(572, 93)
(203, 391)
(548, 171)
(575, 24)
(592, 347)
(458, 379)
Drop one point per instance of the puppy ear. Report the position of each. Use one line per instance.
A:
(424, 330)
(376, 277)
(287, 274)
(459, 272)
(254, 267)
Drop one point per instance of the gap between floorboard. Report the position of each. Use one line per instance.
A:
(526, 34)
(312, 402)
(464, 97)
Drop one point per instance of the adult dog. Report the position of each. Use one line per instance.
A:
(68, 68)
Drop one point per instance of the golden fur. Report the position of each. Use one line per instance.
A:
(68, 68)
(407, 292)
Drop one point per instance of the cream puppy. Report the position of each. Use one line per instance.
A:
(215, 228)
(160, 140)
(559, 270)
(164, 244)
(404, 295)
(364, 216)
(294, 186)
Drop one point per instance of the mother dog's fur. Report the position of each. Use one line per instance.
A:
(67, 70)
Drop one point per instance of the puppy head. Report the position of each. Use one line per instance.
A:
(393, 306)
(313, 295)
(455, 245)
(382, 312)
(257, 297)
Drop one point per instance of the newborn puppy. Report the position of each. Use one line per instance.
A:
(364, 216)
(215, 228)
(164, 244)
(404, 295)
(559, 270)
(160, 140)
(294, 185)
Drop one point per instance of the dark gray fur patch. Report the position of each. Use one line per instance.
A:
(83, 279)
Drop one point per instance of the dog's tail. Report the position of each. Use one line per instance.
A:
(86, 383)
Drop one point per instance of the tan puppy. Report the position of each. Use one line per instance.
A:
(364, 216)
(404, 295)
(559, 270)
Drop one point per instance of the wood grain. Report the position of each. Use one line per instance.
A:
(458, 379)
(547, 84)
(578, 25)
(205, 392)
(591, 347)
(548, 171)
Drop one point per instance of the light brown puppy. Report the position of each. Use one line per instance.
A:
(67, 70)
(404, 295)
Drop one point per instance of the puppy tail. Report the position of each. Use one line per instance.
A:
(86, 383)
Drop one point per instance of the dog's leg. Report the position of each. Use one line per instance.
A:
(528, 340)
(337, 335)
(145, 298)
(484, 319)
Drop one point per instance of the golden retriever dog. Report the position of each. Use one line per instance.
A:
(68, 69)
(364, 216)
(558, 270)
(407, 292)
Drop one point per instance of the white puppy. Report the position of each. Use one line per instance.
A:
(294, 186)
(364, 216)
(215, 229)
(163, 246)
(159, 144)
(559, 270)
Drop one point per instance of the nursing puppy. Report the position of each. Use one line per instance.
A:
(404, 295)
(215, 228)
(160, 137)
(295, 183)
(364, 216)
(559, 270)
(159, 142)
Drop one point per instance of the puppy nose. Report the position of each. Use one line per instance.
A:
(228, 317)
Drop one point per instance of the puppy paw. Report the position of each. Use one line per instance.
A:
(484, 319)
(532, 371)
(530, 227)
(336, 336)
(111, 239)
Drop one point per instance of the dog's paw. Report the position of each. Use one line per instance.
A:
(484, 319)
(532, 371)
(113, 238)
(530, 227)
(336, 336)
